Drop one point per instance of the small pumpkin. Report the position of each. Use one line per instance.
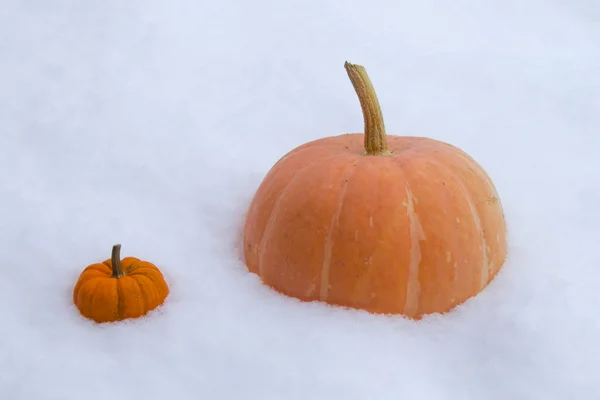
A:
(388, 224)
(118, 289)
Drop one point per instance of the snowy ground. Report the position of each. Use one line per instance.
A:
(151, 124)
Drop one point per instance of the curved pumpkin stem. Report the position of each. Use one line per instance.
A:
(375, 137)
(117, 270)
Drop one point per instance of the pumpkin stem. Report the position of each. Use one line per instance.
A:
(117, 270)
(375, 137)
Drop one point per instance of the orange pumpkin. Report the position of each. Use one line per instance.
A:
(117, 289)
(388, 224)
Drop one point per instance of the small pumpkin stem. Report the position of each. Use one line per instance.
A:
(375, 137)
(117, 270)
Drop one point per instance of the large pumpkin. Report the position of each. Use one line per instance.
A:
(388, 224)
(117, 289)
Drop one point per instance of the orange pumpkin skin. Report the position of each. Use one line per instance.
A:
(104, 298)
(417, 230)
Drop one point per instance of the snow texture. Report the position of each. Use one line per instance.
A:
(152, 123)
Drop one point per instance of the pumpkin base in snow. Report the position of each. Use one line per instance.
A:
(387, 224)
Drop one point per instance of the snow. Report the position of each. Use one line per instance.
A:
(151, 124)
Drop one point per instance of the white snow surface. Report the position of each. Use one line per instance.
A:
(152, 123)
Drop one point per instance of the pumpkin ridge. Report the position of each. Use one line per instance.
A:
(155, 276)
(142, 293)
(143, 270)
(413, 287)
(96, 292)
(421, 151)
(84, 299)
(477, 221)
(87, 281)
(97, 267)
(130, 264)
(149, 291)
(276, 205)
(483, 175)
(416, 234)
(120, 299)
(328, 247)
(132, 268)
(91, 273)
(79, 289)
